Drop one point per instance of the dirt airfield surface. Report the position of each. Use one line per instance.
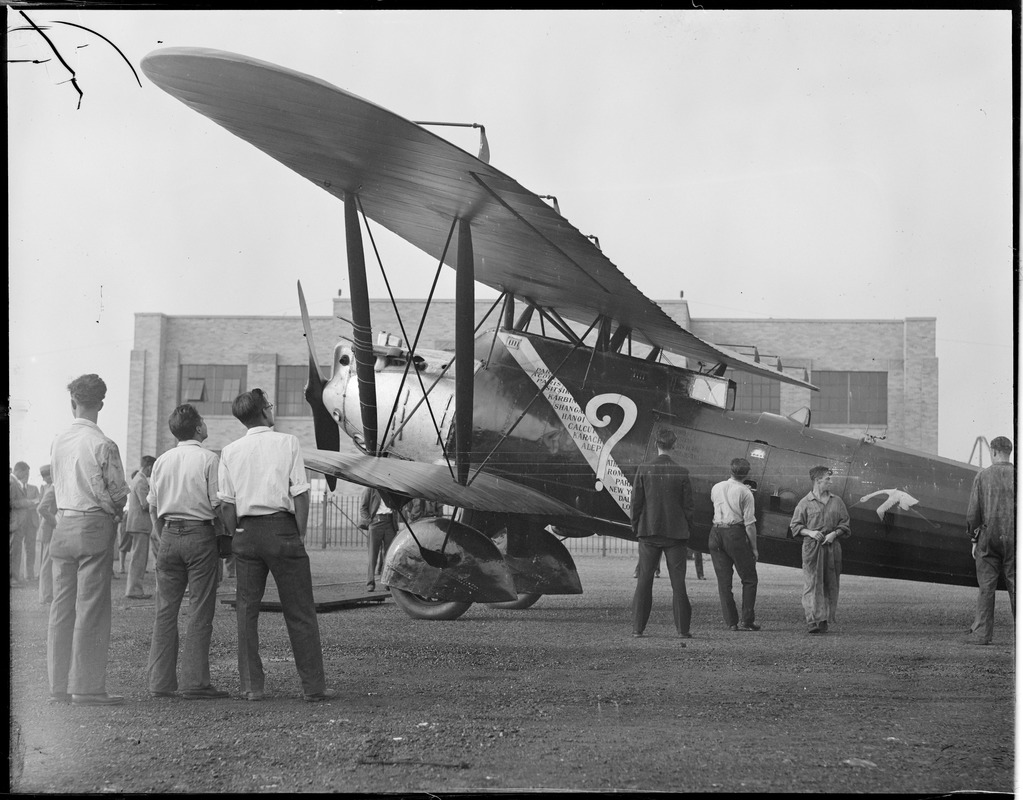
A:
(556, 697)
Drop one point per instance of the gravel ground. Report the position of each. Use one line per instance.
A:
(559, 697)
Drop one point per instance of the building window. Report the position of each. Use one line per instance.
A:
(849, 398)
(211, 388)
(756, 393)
(290, 399)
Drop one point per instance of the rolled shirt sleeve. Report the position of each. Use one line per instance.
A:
(748, 507)
(109, 485)
(213, 481)
(841, 521)
(297, 479)
(798, 523)
(225, 487)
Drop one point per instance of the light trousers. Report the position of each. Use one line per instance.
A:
(822, 568)
(188, 559)
(45, 564)
(137, 560)
(78, 635)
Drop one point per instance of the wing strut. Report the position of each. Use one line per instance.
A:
(509, 310)
(362, 331)
(465, 310)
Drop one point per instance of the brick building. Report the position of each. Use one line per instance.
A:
(876, 376)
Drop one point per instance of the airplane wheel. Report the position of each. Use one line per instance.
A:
(419, 607)
(524, 600)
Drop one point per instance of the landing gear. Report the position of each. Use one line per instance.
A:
(419, 607)
(524, 600)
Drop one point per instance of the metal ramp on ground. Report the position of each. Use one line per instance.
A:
(326, 597)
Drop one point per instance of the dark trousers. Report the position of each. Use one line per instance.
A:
(729, 547)
(675, 561)
(996, 555)
(381, 534)
(271, 545)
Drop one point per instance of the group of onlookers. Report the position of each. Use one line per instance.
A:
(251, 503)
(662, 518)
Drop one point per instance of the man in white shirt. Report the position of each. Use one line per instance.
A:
(90, 490)
(183, 505)
(265, 496)
(733, 543)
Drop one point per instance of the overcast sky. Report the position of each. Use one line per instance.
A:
(786, 164)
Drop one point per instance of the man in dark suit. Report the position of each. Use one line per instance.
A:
(23, 520)
(382, 524)
(662, 515)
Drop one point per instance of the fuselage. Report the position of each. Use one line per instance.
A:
(575, 423)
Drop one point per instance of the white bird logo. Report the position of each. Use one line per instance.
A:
(902, 499)
(896, 497)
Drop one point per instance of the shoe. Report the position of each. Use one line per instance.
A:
(976, 640)
(325, 695)
(371, 587)
(60, 698)
(685, 636)
(638, 635)
(252, 697)
(751, 627)
(138, 596)
(733, 627)
(700, 578)
(823, 626)
(163, 694)
(205, 693)
(96, 699)
(813, 629)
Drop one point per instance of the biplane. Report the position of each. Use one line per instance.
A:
(532, 428)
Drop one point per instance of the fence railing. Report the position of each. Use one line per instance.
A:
(334, 522)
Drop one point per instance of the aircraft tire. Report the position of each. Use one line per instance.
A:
(419, 607)
(524, 600)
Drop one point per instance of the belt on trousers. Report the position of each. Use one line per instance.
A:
(382, 517)
(70, 512)
(275, 515)
(730, 525)
(187, 523)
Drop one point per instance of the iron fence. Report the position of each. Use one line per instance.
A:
(334, 522)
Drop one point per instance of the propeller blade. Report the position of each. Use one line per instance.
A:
(328, 437)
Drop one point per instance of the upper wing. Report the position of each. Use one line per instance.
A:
(415, 183)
